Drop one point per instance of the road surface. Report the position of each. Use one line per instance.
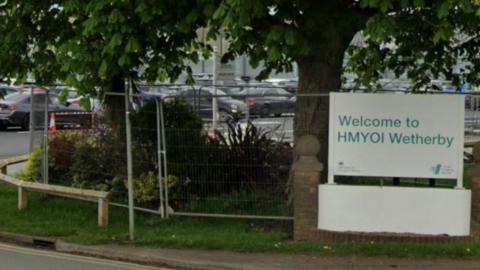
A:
(13, 142)
(20, 258)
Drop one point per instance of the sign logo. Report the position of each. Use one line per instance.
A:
(436, 169)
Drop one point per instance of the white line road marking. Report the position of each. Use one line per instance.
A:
(75, 258)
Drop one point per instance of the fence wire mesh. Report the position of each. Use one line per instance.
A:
(36, 121)
(187, 157)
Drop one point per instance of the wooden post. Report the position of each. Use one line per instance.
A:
(22, 198)
(103, 212)
(307, 171)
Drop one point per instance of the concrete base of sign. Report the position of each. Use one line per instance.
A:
(374, 209)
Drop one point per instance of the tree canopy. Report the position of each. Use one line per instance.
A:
(88, 42)
(92, 43)
(418, 38)
(423, 40)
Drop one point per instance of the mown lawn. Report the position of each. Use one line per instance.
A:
(75, 221)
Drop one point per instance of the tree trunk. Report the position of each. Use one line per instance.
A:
(115, 105)
(317, 77)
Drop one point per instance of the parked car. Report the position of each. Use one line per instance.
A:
(232, 91)
(6, 90)
(268, 101)
(153, 92)
(73, 98)
(15, 110)
(201, 100)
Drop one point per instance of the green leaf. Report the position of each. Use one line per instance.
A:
(85, 103)
(276, 33)
(141, 8)
(290, 37)
(273, 53)
(123, 60)
(132, 45)
(386, 5)
(419, 3)
(115, 41)
(116, 17)
(220, 12)
(404, 3)
(192, 16)
(373, 3)
(443, 9)
(102, 71)
(62, 98)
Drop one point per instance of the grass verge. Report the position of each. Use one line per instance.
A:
(75, 221)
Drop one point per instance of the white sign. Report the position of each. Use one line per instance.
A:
(396, 135)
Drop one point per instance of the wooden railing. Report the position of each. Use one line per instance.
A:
(24, 187)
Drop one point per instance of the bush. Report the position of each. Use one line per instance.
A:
(60, 158)
(183, 130)
(183, 134)
(33, 168)
(251, 160)
(146, 189)
(238, 161)
(62, 150)
(97, 159)
(85, 160)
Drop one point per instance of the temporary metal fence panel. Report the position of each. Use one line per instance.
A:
(181, 164)
(238, 169)
(200, 171)
(36, 121)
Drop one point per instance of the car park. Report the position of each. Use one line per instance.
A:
(159, 92)
(265, 102)
(6, 90)
(72, 97)
(200, 99)
(15, 109)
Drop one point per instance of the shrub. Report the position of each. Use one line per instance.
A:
(251, 160)
(62, 150)
(147, 192)
(238, 161)
(146, 189)
(33, 166)
(183, 133)
(85, 160)
(97, 159)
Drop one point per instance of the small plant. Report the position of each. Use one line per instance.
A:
(33, 167)
(146, 188)
(251, 157)
(62, 149)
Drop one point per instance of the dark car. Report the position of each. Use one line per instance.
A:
(160, 92)
(268, 101)
(201, 100)
(15, 110)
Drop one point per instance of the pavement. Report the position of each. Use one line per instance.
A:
(149, 258)
(196, 259)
